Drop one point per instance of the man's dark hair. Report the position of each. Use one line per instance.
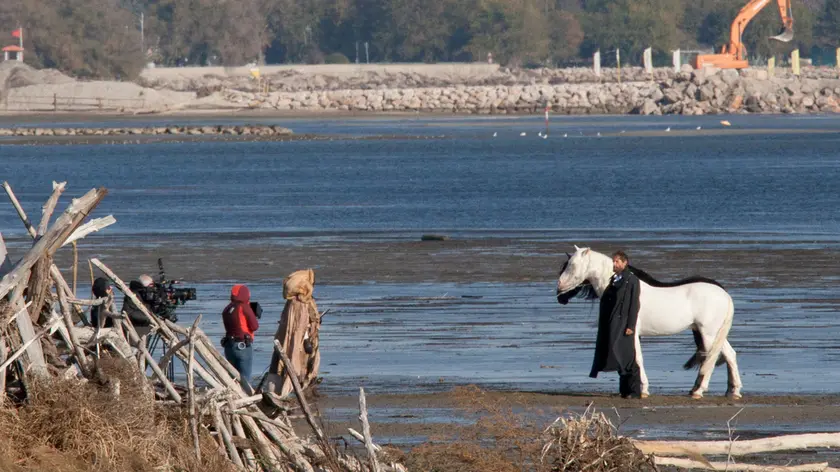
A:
(620, 255)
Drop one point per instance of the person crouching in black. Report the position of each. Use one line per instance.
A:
(100, 315)
(144, 289)
(615, 348)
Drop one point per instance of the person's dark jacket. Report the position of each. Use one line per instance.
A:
(238, 318)
(100, 290)
(619, 310)
(138, 319)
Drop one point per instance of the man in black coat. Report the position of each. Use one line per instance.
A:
(615, 348)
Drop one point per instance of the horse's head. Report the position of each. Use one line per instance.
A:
(573, 277)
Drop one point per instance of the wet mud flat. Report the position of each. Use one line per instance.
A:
(741, 260)
(405, 421)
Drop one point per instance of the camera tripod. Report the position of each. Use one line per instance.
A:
(151, 346)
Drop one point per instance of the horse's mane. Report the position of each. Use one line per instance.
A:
(648, 279)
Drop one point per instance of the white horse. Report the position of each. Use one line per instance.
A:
(699, 304)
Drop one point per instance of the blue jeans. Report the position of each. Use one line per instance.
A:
(241, 359)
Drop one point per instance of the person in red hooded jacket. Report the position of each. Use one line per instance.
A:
(240, 325)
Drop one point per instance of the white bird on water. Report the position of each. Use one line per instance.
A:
(545, 136)
(667, 129)
(522, 133)
(539, 133)
(699, 128)
(494, 134)
(565, 135)
(599, 134)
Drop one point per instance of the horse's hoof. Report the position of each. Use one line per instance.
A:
(696, 395)
(645, 395)
(734, 396)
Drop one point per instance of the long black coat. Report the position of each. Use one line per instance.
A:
(619, 310)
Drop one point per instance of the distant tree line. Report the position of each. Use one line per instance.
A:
(104, 38)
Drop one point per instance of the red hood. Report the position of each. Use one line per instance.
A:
(240, 294)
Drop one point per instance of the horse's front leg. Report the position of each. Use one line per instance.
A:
(641, 363)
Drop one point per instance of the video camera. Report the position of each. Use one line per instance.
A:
(165, 297)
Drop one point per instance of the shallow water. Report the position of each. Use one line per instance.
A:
(416, 338)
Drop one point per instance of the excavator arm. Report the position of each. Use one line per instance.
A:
(734, 54)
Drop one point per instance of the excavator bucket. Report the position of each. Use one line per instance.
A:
(785, 36)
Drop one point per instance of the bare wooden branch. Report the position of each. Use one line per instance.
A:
(740, 448)
(26, 223)
(208, 348)
(226, 439)
(191, 389)
(75, 266)
(49, 207)
(167, 356)
(88, 302)
(75, 346)
(29, 342)
(250, 460)
(363, 417)
(290, 370)
(732, 467)
(361, 438)
(263, 419)
(150, 361)
(245, 402)
(91, 226)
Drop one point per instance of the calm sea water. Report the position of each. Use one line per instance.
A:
(778, 175)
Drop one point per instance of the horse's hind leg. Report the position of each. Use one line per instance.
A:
(734, 384)
(701, 385)
(641, 363)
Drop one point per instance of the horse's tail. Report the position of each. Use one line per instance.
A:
(700, 355)
(717, 345)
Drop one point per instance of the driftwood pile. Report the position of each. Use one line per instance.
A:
(41, 338)
(590, 442)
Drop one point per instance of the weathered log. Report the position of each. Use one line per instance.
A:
(733, 467)
(290, 370)
(363, 417)
(739, 448)
(5, 262)
(89, 337)
(49, 206)
(191, 390)
(35, 355)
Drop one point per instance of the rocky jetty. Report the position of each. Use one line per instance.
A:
(690, 92)
(243, 130)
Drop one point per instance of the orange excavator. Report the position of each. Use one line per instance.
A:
(734, 54)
